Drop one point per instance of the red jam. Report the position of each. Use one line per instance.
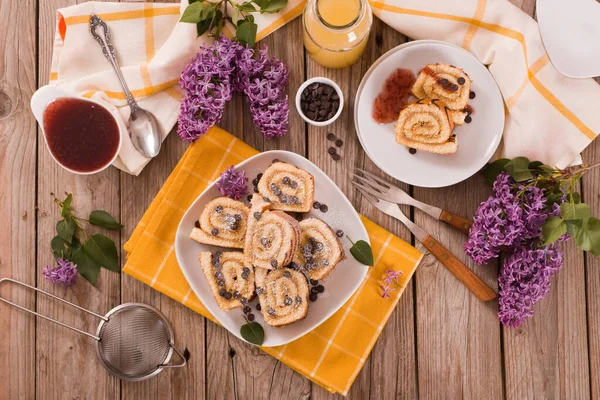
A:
(393, 96)
(82, 135)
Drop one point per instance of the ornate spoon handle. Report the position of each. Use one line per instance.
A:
(109, 52)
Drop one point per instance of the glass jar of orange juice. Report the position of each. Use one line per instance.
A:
(336, 31)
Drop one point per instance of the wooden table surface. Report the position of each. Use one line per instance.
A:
(441, 342)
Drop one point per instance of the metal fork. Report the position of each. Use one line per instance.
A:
(453, 264)
(381, 189)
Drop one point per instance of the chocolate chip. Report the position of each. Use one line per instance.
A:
(249, 198)
(236, 295)
(271, 311)
(340, 233)
(259, 176)
(295, 200)
(221, 282)
(319, 245)
(237, 217)
(255, 181)
(274, 263)
(293, 184)
(461, 80)
(316, 205)
(222, 292)
(286, 180)
(314, 282)
(313, 297)
(330, 137)
(298, 299)
(246, 270)
(214, 231)
(287, 274)
(412, 151)
(320, 289)
(256, 215)
(454, 87)
(324, 263)
(197, 224)
(219, 209)
(288, 301)
(259, 290)
(323, 208)
(283, 199)
(264, 242)
(331, 150)
(246, 309)
(339, 143)
(255, 189)
(444, 82)
(244, 300)
(314, 290)
(250, 317)
(472, 95)
(228, 295)
(218, 274)
(336, 157)
(468, 119)
(258, 307)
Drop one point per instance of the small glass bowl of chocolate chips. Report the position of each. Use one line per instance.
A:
(319, 101)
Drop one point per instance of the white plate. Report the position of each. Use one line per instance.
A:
(574, 48)
(477, 141)
(339, 285)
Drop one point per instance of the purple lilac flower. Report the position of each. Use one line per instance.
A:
(508, 220)
(233, 183)
(525, 280)
(64, 273)
(222, 69)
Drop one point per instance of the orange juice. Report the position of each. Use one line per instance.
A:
(336, 31)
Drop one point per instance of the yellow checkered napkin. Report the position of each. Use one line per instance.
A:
(332, 354)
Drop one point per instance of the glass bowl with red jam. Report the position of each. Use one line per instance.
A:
(82, 135)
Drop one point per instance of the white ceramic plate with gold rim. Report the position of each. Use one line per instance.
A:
(477, 141)
(339, 285)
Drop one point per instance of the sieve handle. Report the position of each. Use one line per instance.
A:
(57, 298)
(182, 364)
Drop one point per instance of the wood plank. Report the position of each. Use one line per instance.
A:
(591, 195)
(458, 336)
(548, 355)
(18, 142)
(136, 195)
(256, 374)
(63, 354)
(389, 372)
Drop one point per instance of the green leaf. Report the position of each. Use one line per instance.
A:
(202, 27)
(253, 333)
(261, 3)
(66, 229)
(273, 6)
(587, 236)
(192, 13)
(573, 211)
(574, 197)
(553, 198)
(104, 220)
(553, 229)
(63, 249)
(491, 171)
(362, 252)
(246, 33)
(65, 206)
(103, 251)
(86, 267)
(247, 7)
(518, 168)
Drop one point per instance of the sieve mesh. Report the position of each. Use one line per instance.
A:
(134, 342)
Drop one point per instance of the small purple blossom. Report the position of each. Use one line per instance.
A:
(64, 273)
(233, 183)
(524, 281)
(390, 282)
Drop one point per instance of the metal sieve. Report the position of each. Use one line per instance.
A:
(134, 341)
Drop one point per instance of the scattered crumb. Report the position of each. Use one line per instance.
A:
(51, 193)
(24, 216)
(231, 352)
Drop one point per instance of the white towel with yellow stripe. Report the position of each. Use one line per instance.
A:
(549, 117)
(152, 48)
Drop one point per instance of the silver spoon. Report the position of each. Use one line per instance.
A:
(144, 130)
